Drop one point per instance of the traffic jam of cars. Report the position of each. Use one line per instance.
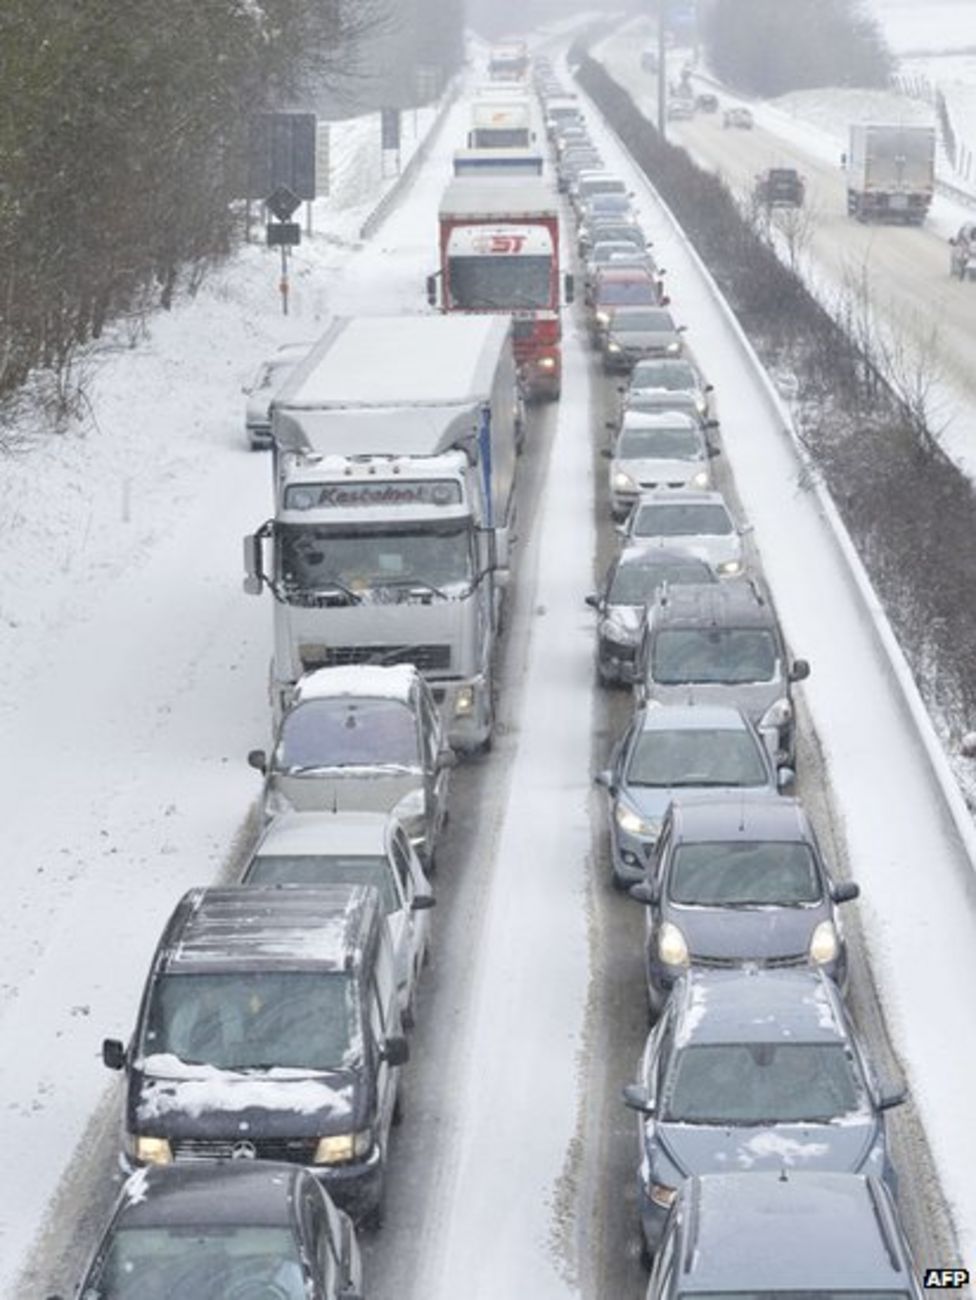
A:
(262, 1077)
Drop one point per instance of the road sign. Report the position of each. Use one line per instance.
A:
(282, 202)
(390, 128)
(283, 233)
(281, 152)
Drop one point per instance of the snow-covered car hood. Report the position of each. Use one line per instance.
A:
(714, 550)
(649, 473)
(840, 1146)
(171, 1098)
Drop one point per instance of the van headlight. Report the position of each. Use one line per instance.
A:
(778, 714)
(824, 944)
(340, 1148)
(464, 702)
(671, 946)
(729, 568)
(700, 480)
(623, 482)
(152, 1150)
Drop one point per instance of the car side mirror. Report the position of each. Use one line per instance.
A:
(645, 892)
(800, 670)
(681, 329)
(258, 759)
(665, 301)
(711, 424)
(605, 779)
(569, 289)
(446, 759)
(892, 1097)
(396, 1050)
(593, 601)
(432, 290)
(845, 892)
(113, 1054)
(785, 776)
(709, 388)
(423, 902)
(636, 1097)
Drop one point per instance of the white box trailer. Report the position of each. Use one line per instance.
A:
(890, 172)
(395, 447)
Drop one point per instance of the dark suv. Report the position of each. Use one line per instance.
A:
(269, 1029)
(736, 880)
(762, 1234)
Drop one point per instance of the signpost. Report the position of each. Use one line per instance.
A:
(282, 203)
(390, 133)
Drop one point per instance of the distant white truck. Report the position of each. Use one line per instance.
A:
(395, 455)
(501, 124)
(890, 172)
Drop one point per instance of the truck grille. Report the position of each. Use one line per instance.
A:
(300, 1151)
(427, 658)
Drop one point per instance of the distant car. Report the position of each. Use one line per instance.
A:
(737, 881)
(672, 749)
(652, 450)
(362, 738)
(613, 252)
(600, 209)
(680, 110)
(738, 117)
(706, 102)
(603, 230)
(633, 333)
(665, 375)
(739, 1234)
(238, 1229)
(615, 287)
(697, 522)
(805, 1094)
(263, 389)
(779, 187)
(631, 581)
(589, 184)
(354, 848)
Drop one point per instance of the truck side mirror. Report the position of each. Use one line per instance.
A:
(432, 290)
(113, 1054)
(253, 578)
(501, 548)
(395, 1050)
(569, 288)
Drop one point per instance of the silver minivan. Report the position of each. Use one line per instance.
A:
(363, 738)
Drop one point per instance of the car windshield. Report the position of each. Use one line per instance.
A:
(743, 874)
(727, 656)
(590, 188)
(374, 562)
(347, 731)
(622, 232)
(499, 282)
(674, 443)
(696, 757)
(761, 1083)
(633, 292)
(635, 584)
(681, 519)
(678, 376)
(198, 1262)
(325, 869)
(255, 1019)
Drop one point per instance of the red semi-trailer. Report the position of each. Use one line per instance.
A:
(499, 252)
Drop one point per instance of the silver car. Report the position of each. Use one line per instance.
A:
(633, 333)
(666, 450)
(354, 848)
(263, 389)
(658, 378)
(696, 522)
(363, 738)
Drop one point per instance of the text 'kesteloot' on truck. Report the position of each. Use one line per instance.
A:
(395, 456)
(499, 252)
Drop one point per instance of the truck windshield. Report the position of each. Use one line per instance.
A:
(500, 283)
(366, 560)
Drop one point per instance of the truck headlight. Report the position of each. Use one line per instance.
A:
(673, 349)
(633, 823)
(778, 714)
(464, 702)
(824, 944)
(671, 946)
(152, 1150)
(343, 1147)
(729, 568)
(547, 363)
(612, 346)
(623, 482)
(700, 480)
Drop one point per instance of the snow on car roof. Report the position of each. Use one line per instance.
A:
(306, 833)
(394, 682)
(399, 361)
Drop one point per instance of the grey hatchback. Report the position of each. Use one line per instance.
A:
(753, 1069)
(765, 1235)
(669, 749)
(739, 880)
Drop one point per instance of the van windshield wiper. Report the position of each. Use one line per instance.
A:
(411, 582)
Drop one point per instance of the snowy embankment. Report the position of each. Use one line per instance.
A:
(132, 668)
(918, 903)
